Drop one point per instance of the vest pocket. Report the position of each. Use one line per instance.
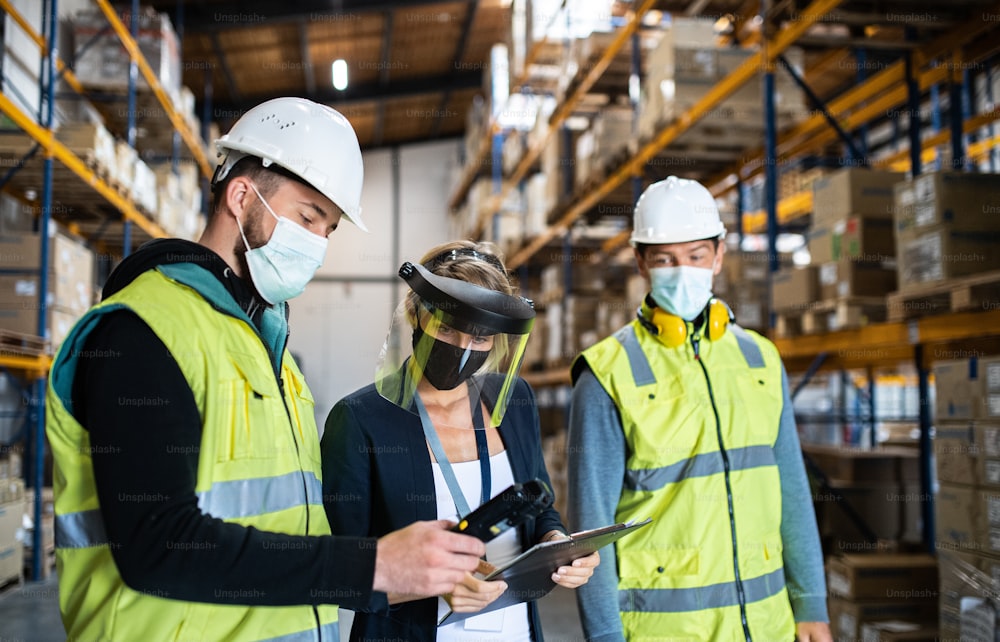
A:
(657, 568)
(247, 412)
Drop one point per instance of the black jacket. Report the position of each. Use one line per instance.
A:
(377, 477)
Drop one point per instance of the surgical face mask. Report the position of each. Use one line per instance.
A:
(446, 365)
(682, 290)
(281, 268)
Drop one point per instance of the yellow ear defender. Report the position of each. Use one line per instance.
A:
(671, 330)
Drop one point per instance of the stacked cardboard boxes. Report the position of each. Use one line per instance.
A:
(70, 279)
(686, 64)
(851, 240)
(47, 527)
(866, 589)
(104, 63)
(881, 486)
(967, 521)
(743, 285)
(11, 509)
(947, 225)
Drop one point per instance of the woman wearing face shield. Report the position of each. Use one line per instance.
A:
(446, 425)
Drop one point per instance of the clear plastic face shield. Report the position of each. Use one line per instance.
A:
(453, 334)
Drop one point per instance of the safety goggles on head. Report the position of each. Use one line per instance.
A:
(454, 333)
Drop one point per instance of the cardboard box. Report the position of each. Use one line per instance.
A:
(898, 631)
(794, 288)
(850, 278)
(845, 465)
(967, 519)
(990, 369)
(19, 251)
(935, 254)
(882, 576)
(957, 389)
(968, 453)
(854, 191)
(968, 601)
(963, 201)
(861, 238)
(847, 617)
(891, 511)
(11, 550)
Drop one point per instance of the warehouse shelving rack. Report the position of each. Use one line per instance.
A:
(82, 184)
(900, 84)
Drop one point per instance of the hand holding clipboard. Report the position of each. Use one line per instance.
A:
(529, 575)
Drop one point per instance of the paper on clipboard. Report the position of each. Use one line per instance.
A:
(529, 575)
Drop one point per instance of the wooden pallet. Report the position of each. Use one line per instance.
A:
(9, 584)
(968, 293)
(829, 316)
(28, 345)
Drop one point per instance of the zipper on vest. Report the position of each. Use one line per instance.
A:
(276, 370)
(696, 344)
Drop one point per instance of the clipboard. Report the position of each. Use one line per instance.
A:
(529, 575)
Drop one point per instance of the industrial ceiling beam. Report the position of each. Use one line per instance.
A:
(227, 73)
(308, 73)
(210, 17)
(383, 76)
(463, 40)
(366, 92)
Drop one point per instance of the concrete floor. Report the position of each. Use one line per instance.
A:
(31, 614)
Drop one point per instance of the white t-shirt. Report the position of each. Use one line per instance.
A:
(511, 623)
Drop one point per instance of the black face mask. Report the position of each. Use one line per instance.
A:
(443, 360)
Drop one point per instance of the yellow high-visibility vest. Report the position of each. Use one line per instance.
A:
(258, 465)
(700, 434)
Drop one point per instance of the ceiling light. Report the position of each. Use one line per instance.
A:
(340, 74)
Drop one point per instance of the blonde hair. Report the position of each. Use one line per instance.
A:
(476, 263)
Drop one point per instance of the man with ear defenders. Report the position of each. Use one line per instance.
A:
(685, 417)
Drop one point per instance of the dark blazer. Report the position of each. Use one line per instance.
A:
(377, 478)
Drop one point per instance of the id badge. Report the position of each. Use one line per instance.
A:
(492, 622)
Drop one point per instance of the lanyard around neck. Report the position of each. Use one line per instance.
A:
(482, 450)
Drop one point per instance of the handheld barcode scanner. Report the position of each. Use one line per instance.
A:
(511, 508)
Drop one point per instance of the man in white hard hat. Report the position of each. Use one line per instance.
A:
(685, 417)
(188, 489)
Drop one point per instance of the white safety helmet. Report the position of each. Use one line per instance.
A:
(676, 210)
(312, 141)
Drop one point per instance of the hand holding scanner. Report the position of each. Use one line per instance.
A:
(512, 507)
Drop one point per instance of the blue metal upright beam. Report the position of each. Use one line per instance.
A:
(47, 89)
(179, 29)
(861, 57)
(496, 163)
(133, 77)
(926, 450)
(771, 170)
(771, 184)
(913, 108)
(740, 208)
(957, 130)
(988, 81)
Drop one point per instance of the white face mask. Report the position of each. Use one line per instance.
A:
(682, 290)
(281, 268)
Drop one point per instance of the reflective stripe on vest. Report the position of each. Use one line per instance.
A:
(716, 596)
(701, 465)
(642, 373)
(225, 500)
(248, 497)
(330, 631)
(80, 530)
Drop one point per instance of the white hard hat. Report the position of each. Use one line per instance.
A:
(312, 141)
(676, 210)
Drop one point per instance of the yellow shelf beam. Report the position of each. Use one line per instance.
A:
(32, 365)
(878, 342)
(814, 131)
(789, 209)
(736, 79)
(154, 83)
(60, 152)
(562, 112)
